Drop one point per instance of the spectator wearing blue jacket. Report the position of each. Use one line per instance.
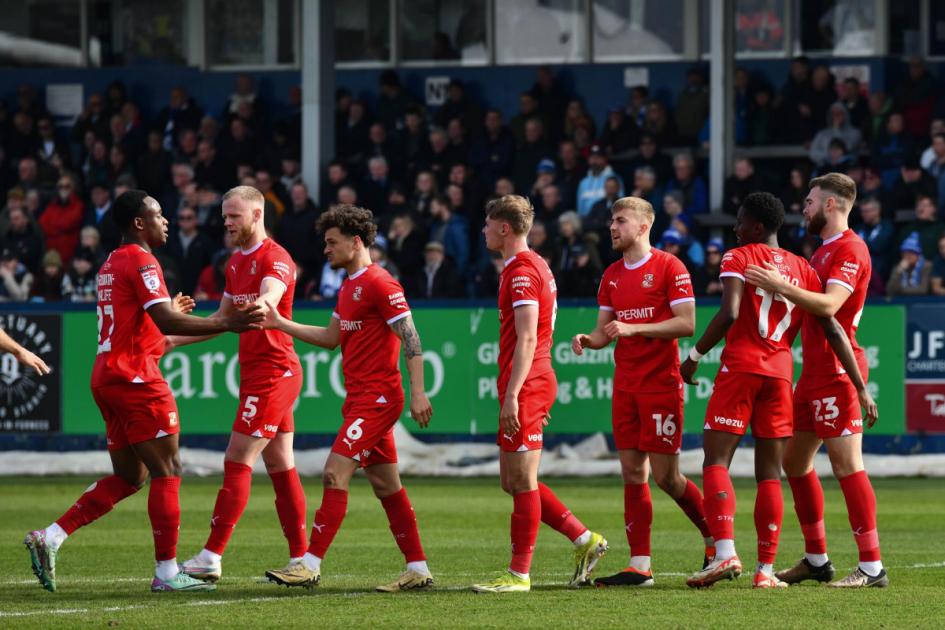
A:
(694, 190)
(452, 230)
(591, 188)
(880, 237)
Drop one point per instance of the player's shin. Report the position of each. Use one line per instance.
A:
(526, 518)
(861, 509)
(769, 513)
(164, 512)
(328, 519)
(98, 500)
(231, 501)
(638, 523)
(290, 506)
(719, 501)
(403, 525)
(558, 517)
(808, 496)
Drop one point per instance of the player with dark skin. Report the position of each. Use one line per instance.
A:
(719, 446)
(160, 457)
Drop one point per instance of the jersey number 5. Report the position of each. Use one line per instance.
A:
(767, 299)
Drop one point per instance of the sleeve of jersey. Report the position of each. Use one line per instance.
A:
(733, 265)
(603, 293)
(846, 269)
(279, 266)
(525, 286)
(390, 300)
(679, 290)
(148, 282)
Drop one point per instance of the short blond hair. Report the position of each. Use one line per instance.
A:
(515, 210)
(637, 205)
(246, 193)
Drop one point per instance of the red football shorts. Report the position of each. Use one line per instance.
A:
(136, 412)
(367, 433)
(650, 422)
(827, 404)
(534, 407)
(741, 399)
(267, 409)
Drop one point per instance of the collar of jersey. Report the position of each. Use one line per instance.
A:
(509, 261)
(640, 262)
(359, 272)
(246, 252)
(834, 237)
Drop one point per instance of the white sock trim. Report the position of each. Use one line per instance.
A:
(55, 535)
(817, 559)
(166, 569)
(583, 539)
(420, 566)
(724, 548)
(312, 562)
(871, 568)
(209, 557)
(640, 563)
(523, 576)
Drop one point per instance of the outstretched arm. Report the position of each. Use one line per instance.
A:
(732, 290)
(327, 337)
(420, 408)
(21, 354)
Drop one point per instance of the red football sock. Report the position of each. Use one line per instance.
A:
(164, 512)
(861, 509)
(638, 517)
(98, 500)
(809, 507)
(526, 518)
(231, 501)
(555, 515)
(290, 506)
(691, 504)
(328, 519)
(769, 512)
(719, 501)
(403, 525)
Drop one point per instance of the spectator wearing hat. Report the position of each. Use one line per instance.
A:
(545, 175)
(938, 269)
(912, 183)
(619, 134)
(911, 275)
(925, 225)
(714, 250)
(672, 241)
(47, 284)
(591, 188)
(15, 279)
(838, 127)
(880, 237)
(438, 277)
(692, 107)
(491, 152)
(693, 187)
(742, 182)
(79, 283)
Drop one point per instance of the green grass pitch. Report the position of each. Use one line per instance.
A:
(104, 570)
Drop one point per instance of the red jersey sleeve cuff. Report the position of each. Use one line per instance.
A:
(518, 303)
(732, 274)
(397, 318)
(151, 303)
(681, 300)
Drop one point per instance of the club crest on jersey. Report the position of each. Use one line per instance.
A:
(151, 280)
(647, 281)
(356, 296)
(252, 268)
(778, 258)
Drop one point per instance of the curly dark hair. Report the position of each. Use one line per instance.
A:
(350, 221)
(766, 209)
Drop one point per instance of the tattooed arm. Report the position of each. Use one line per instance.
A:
(420, 409)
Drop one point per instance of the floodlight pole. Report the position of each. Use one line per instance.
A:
(318, 90)
(721, 99)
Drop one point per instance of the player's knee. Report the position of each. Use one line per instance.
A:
(669, 482)
(845, 468)
(332, 479)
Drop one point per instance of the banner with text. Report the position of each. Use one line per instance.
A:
(460, 350)
(925, 368)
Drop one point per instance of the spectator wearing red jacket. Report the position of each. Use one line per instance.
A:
(62, 219)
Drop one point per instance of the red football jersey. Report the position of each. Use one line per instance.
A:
(129, 342)
(369, 301)
(526, 279)
(759, 342)
(645, 293)
(264, 354)
(842, 259)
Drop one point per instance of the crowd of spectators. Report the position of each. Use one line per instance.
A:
(427, 173)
